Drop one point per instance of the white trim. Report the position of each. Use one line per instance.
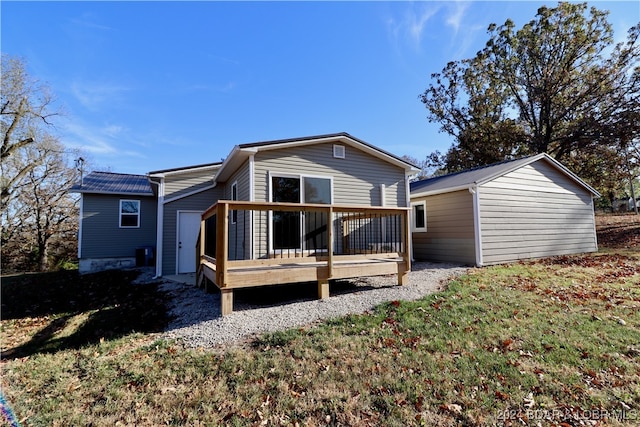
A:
(252, 172)
(178, 212)
(139, 213)
(440, 191)
(413, 217)
(474, 190)
(191, 193)
(407, 203)
(593, 216)
(339, 151)
(188, 169)
(80, 226)
(159, 227)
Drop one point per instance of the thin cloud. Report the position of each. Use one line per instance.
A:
(413, 24)
(94, 95)
(108, 140)
(457, 15)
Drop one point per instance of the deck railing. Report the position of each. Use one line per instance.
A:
(239, 234)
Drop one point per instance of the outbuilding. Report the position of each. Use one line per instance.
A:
(527, 208)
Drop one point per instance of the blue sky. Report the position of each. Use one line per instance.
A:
(155, 85)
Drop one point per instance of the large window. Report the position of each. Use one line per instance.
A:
(129, 213)
(293, 230)
(419, 217)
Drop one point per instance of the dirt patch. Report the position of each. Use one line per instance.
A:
(621, 231)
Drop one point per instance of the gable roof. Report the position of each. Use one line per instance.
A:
(114, 183)
(481, 175)
(242, 152)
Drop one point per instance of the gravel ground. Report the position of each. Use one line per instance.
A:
(197, 321)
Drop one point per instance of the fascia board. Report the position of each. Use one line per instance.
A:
(441, 191)
(113, 193)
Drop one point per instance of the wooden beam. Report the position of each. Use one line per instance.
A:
(323, 288)
(226, 301)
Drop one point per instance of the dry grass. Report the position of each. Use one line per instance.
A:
(554, 342)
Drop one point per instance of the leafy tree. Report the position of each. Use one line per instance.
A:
(557, 85)
(38, 216)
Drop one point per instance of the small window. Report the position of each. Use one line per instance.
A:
(129, 213)
(419, 220)
(338, 151)
(234, 196)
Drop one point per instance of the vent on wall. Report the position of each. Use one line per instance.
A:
(338, 151)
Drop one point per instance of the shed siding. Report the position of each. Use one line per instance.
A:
(180, 184)
(535, 211)
(196, 202)
(102, 236)
(356, 178)
(450, 233)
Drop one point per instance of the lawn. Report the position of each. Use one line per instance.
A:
(547, 342)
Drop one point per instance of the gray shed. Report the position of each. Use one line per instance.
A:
(527, 208)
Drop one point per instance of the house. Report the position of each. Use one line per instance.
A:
(527, 208)
(117, 218)
(365, 191)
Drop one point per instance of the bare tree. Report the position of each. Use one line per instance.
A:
(38, 216)
(24, 108)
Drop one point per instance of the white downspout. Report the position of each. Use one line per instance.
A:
(252, 198)
(476, 224)
(159, 227)
(80, 227)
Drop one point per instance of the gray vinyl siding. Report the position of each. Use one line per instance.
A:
(197, 202)
(356, 178)
(102, 236)
(450, 230)
(239, 242)
(180, 184)
(535, 211)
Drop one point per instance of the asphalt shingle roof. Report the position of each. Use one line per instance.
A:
(484, 174)
(114, 183)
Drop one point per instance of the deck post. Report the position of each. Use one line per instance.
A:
(405, 266)
(329, 243)
(226, 301)
(323, 288)
(222, 238)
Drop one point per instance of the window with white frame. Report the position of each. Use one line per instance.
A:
(419, 216)
(129, 213)
(234, 196)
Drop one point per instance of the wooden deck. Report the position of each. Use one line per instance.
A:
(376, 245)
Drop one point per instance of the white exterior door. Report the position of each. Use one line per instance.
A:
(188, 228)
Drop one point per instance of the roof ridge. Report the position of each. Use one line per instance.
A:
(476, 168)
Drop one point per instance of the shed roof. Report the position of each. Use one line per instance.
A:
(114, 183)
(481, 175)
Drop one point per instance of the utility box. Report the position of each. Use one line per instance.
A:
(144, 256)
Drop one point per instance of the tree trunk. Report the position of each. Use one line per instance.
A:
(43, 257)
